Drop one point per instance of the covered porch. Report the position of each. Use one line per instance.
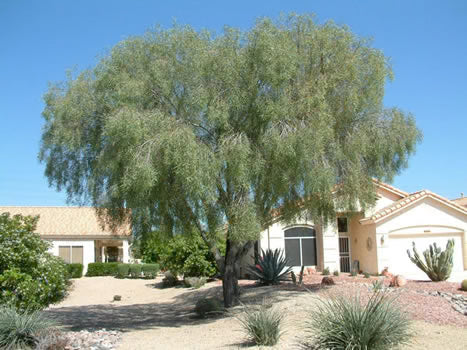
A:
(111, 250)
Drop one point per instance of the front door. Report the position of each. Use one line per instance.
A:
(344, 253)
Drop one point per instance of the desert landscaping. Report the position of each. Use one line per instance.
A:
(149, 316)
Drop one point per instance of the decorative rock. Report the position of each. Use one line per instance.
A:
(398, 281)
(310, 270)
(327, 281)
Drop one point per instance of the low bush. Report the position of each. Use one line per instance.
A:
(21, 330)
(150, 270)
(271, 267)
(353, 273)
(348, 323)
(135, 270)
(195, 282)
(464, 285)
(170, 279)
(263, 326)
(336, 273)
(209, 306)
(74, 270)
(123, 270)
(366, 275)
(30, 277)
(326, 271)
(102, 269)
(53, 339)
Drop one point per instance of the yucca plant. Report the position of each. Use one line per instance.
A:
(263, 326)
(438, 264)
(342, 323)
(271, 267)
(20, 330)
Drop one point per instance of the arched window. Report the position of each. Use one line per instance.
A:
(300, 246)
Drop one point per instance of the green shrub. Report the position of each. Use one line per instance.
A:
(30, 277)
(102, 269)
(326, 271)
(336, 273)
(438, 264)
(464, 285)
(263, 326)
(75, 270)
(123, 270)
(271, 267)
(377, 286)
(150, 270)
(209, 306)
(195, 282)
(169, 280)
(135, 270)
(353, 273)
(20, 330)
(366, 275)
(348, 323)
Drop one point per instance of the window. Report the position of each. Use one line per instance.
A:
(342, 225)
(300, 246)
(71, 254)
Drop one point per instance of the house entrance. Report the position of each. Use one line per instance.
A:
(344, 254)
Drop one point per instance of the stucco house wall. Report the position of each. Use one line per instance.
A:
(363, 245)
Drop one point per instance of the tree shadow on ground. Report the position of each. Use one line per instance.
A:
(176, 313)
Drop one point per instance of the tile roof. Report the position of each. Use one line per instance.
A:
(390, 188)
(408, 200)
(460, 201)
(67, 221)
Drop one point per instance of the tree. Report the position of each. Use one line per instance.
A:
(30, 277)
(193, 130)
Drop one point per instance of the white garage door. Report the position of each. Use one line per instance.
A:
(401, 263)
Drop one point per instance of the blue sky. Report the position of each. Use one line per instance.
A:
(426, 40)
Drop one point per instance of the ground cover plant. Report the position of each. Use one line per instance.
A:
(21, 330)
(30, 277)
(263, 326)
(271, 267)
(343, 323)
(437, 263)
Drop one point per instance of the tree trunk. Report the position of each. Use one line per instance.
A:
(229, 279)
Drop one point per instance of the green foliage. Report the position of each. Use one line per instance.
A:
(150, 271)
(210, 306)
(263, 326)
(153, 128)
(336, 273)
(377, 286)
(187, 255)
(170, 279)
(438, 264)
(123, 270)
(293, 277)
(135, 270)
(102, 269)
(21, 330)
(326, 271)
(271, 267)
(464, 285)
(195, 282)
(300, 276)
(341, 323)
(30, 277)
(75, 270)
(366, 275)
(353, 273)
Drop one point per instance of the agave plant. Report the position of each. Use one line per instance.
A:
(271, 267)
(438, 264)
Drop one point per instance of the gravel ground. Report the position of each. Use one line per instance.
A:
(150, 317)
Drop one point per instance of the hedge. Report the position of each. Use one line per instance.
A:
(150, 270)
(74, 270)
(137, 270)
(123, 270)
(102, 269)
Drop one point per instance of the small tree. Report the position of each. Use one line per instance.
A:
(438, 264)
(193, 130)
(30, 277)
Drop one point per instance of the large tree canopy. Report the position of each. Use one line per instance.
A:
(208, 131)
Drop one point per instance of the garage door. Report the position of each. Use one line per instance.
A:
(400, 262)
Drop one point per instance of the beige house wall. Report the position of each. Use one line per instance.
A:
(363, 246)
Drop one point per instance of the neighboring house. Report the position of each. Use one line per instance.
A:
(462, 201)
(76, 234)
(378, 238)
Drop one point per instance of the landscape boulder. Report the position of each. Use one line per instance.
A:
(327, 281)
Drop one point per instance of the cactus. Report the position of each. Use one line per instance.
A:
(438, 264)
(294, 278)
(300, 276)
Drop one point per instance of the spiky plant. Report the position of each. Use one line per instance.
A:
(20, 330)
(438, 263)
(343, 323)
(271, 267)
(263, 325)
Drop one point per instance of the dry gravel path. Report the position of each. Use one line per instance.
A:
(155, 318)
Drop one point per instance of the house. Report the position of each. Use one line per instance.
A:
(377, 238)
(76, 234)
